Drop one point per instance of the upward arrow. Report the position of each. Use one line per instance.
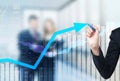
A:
(77, 27)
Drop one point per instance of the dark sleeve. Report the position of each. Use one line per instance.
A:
(22, 38)
(106, 66)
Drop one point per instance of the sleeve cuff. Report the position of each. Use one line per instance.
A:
(98, 60)
(100, 53)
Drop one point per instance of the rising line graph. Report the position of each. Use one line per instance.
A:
(77, 27)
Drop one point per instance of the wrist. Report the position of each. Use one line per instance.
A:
(95, 51)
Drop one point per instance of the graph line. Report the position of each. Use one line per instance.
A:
(77, 27)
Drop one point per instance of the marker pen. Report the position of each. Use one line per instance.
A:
(91, 27)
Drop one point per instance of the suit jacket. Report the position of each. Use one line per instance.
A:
(27, 55)
(106, 65)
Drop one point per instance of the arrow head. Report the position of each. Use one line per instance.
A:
(79, 26)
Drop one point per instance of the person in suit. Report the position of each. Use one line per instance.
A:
(28, 40)
(105, 65)
(29, 37)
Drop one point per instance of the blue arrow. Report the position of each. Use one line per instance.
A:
(77, 27)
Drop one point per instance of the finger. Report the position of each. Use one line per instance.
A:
(90, 31)
(95, 26)
(89, 34)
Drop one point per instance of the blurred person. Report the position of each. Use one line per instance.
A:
(28, 40)
(48, 30)
(105, 65)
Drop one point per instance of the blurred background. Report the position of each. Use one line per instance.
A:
(73, 65)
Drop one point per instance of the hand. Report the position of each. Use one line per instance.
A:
(93, 39)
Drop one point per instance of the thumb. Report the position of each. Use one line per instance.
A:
(95, 26)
